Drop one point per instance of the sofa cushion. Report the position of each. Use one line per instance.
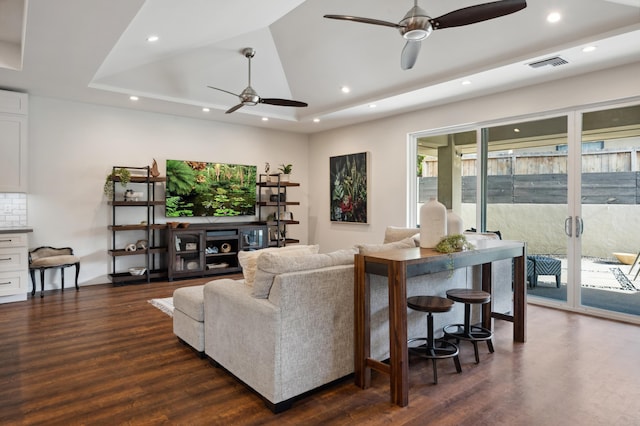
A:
(375, 248)
(396, 233)
(249, 259)
(273, 263)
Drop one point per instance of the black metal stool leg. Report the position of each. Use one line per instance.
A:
(62, 278)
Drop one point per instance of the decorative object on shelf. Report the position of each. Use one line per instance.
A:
(183, 224)
(286, 215)
(286, 172)
(122, 174)
(142, 244)
(173, 224)
(454, 223)
(348, 188)
(433, 223)
(274, 198)
(130, 247)
(191, 246)
(131, 195)
(137, 270)
(267, 167)
(211, 250)
(225, 248)
(154, 169)
(193, 265)
(217, 265)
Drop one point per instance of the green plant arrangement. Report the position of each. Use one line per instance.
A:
(122, 174)
(451, 244)
(286, 169)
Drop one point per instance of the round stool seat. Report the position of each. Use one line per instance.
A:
(429, 304)
(466, 331)
(468, 295)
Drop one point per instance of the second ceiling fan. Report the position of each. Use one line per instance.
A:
(416, 25)
(250, 97)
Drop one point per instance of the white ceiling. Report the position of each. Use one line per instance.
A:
(96, 51)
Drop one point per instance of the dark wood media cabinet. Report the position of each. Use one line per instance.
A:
(206, 249)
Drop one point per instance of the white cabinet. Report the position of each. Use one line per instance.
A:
(14, 267)
(13, 141)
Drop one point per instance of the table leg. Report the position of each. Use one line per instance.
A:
(487, 286)
(399, 353)
(519, 300)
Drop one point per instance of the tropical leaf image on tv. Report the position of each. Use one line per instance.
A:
(210, 189)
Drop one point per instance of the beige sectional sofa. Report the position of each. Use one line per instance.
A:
(288, 328)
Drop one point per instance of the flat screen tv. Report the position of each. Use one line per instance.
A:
(196, 188)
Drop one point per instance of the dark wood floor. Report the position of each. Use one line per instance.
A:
(104, 355)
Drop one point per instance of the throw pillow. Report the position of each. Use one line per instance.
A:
(273, 263)
(376, 248)
(248, 259)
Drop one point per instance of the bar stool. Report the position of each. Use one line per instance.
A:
(428, 349)
(466, 331)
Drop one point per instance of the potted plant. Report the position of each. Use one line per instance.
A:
(123, 175)
(286, 171)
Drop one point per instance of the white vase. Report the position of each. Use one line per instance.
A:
(454, 223)
(433, 223)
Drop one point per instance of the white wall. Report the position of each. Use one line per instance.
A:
(386, 140)
(72, 147)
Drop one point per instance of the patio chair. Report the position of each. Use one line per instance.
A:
(542, 265)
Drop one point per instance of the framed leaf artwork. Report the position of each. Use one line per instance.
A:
(349, 188)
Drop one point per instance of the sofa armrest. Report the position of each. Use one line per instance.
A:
(242, 333)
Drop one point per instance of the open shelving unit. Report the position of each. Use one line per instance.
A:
(273, 209)
(140, 179)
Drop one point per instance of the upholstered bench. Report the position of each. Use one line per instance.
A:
(188, 316)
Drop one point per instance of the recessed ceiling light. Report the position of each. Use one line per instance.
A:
(588, 49)
(316, 120)
(372, 105)
(466, 82)
(153, 38)
(205, 109)
(345, 89)
(554, 17)
(516, 130)
(133, 98)
(265, 118)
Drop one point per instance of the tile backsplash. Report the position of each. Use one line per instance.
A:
(13, 209)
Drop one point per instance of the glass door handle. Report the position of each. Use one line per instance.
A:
(567, 226)
(579, 226)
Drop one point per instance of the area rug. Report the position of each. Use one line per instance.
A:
(165, 305)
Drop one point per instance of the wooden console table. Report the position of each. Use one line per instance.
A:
(398, 266)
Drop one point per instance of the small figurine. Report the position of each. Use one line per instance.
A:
(267, 167)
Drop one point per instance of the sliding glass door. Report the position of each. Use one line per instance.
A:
(526, 193)
(610, 198)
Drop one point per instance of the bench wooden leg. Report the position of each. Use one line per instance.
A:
(77, 274)
(42, 282)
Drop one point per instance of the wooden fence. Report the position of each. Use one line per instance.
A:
(597, 188)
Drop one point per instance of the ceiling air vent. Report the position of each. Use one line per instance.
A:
(555, 61)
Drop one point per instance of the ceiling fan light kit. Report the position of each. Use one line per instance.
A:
(417, 25)
(250, 97)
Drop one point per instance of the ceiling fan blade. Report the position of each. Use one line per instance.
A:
(234, 108)
(363, 20)
(222, 90)
(282, 102)
(478, 13)
(410, 54)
